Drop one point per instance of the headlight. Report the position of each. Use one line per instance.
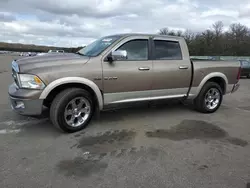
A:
(30, 81)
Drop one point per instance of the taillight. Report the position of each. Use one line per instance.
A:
(239, 72)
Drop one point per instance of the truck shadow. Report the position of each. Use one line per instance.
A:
(112, 116)
(114, 113)
(121, 116)
(141, 110)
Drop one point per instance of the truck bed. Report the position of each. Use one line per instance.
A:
(204, 69)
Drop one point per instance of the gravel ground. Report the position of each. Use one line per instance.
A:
(157, 145)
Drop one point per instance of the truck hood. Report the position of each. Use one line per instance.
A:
(49, 60)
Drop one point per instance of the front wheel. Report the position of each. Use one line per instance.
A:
(72, 110)
(209, 98)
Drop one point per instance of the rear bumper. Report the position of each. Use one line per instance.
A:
(235, 88)
(25, 102)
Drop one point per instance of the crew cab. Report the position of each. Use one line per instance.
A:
(118, 69)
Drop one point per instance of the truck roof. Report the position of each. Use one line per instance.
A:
(145, 34)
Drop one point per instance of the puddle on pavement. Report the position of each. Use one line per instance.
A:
(248, 185)
(103, 144)
(202, 167)
(79, 134)
(189, 129)
(108, 136)
(193, 129)
(81, 167)
(3, 71)
(245, 108)
(86, 166)
(237, 141)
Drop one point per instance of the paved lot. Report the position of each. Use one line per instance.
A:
(163, 145)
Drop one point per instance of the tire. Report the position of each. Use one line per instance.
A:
(200, 101)
(62, 102)
(248, 76)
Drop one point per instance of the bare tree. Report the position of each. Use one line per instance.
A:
(164, 31)
(216, 41)
(218, 28)
(189, 36)
(179, 33)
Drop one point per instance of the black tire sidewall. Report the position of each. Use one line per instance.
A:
(201, 98)
(61, 109)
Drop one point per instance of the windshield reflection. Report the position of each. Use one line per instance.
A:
(98, 46)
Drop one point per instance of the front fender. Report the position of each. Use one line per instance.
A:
(68, 80)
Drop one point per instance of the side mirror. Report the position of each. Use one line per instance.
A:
(119, 55)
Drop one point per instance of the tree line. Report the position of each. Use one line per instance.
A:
(216, 41)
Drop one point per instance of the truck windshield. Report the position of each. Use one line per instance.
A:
(98, 46)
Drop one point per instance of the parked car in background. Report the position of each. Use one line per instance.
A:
(51, 52)
(245, 68)
(27, 54)
(56, 51)
(118, 69)
(4, 52)
(24, 54)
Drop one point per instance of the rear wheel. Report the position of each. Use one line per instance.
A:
(72, 110)
(209, 98)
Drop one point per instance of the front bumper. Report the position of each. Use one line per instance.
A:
(24, 101)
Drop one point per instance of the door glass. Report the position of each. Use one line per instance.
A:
(169, 50)
(136, 49)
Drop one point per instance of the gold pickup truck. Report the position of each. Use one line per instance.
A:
(118, 69)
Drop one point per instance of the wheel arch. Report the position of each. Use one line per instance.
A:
(63, 83)
(216, 77)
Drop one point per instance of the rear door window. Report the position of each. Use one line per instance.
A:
(167, 50)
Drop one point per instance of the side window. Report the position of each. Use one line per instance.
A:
(136, 49)
(169, 50)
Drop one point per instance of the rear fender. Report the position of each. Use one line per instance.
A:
(194, 92)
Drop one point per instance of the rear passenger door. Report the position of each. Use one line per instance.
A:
(171, 69)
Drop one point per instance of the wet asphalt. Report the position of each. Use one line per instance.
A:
(163, 144)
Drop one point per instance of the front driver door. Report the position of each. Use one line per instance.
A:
(131, 79)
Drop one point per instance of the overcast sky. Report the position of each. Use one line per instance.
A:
(78, 22)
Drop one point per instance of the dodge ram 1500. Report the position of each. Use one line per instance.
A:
(118, 69)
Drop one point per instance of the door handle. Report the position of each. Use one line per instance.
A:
(183, 67)
(143, 68)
